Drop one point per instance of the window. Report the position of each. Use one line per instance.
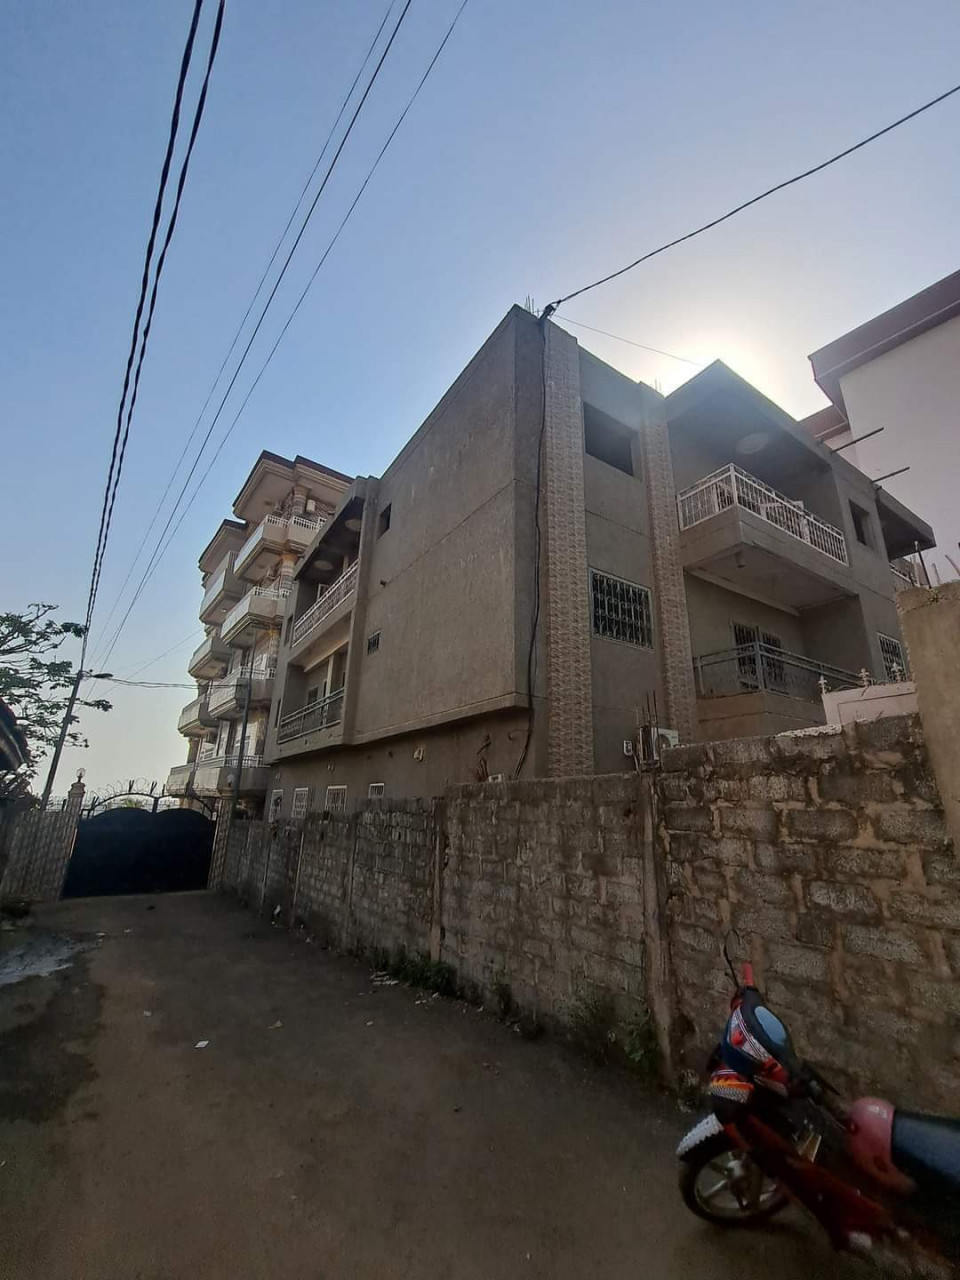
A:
(276, 803)
(894, 666)
(861, 525)
(607, 440)
(336, 799)
(301, 801)
(383, 521)
(621, 610)
(375, 791)
(373, 642)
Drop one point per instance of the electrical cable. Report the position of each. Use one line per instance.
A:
(551, 307)
(246, 316)
(171, 226)
(148, 257)
(630, 342)
(161, 551)
(256, 330)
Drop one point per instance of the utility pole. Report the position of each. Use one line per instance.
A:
(65, 728)
(235, 794)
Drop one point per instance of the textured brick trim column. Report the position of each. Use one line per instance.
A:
(670, 593)
(564, 604)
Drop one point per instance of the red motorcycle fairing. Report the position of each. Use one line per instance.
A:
(869, 1139)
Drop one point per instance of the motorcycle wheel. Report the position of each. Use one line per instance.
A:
(720, 1183)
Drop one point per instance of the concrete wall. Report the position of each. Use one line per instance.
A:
(828, 854)
(749, 715)
(913, 392)
(35, 848)
(713, 610)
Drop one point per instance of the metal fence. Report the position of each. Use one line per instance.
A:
(733, 487)
(750, 668)
(334, 595)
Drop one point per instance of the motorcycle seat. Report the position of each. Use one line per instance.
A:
(927, 1149)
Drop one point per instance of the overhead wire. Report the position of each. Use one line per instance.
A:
(746, 204)
(171, 226)
(148, 259)
(630, 342)
(161, 550)
(236, 373)
(245, 317)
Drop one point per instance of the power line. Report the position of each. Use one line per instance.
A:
(160, 552)
(246, 316)
(551, 307)
(630, 342)
(171, 226)
(148, 257)
(343, 141)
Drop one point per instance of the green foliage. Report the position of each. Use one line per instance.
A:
(596, 1032)
(34, 682)
(420, 971)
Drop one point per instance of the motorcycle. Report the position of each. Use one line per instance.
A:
(883, 1183)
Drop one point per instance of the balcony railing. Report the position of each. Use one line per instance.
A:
(231, 687)
(230, 762)
(275, 529)
(315, 715)
(752, 668)
(225, 583)
(335, 594)
(733, 487)
(903, 577)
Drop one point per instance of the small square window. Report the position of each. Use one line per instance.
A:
(301, 802)
(383, 521)
(375, 791)
(336, 799)
(894, 665)
(607, 440)
(373, 642)
(861, 525)
(621, 610)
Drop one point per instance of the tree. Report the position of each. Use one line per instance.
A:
(34, 682)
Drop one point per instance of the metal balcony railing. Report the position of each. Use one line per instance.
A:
(335, 594)
(733, 487)
(231, 762)
(231, 687)
(315, 715)
(751, 668)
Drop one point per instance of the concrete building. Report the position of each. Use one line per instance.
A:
(900, 371)
(558, 563)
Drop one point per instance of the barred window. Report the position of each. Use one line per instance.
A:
(336, 799)
(621, 610)
(375, 791)
(301, 799)
(894, 666)
(373, 642)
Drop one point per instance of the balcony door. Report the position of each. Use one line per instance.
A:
(758, 666)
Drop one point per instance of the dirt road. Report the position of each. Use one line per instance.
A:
(329, 1129)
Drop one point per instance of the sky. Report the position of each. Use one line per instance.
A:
(551, 144)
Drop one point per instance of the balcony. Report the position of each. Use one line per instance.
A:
(322, 714)
(757, 689)
(309, 623)
(178, 780)
(273, 535)
(209, 661)
(226, 697)
(215, 775)
(195, 718)
(222, 591)
(260, 608)
(744, 532)
(904, 576)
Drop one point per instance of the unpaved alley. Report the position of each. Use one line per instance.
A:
(328, 1128)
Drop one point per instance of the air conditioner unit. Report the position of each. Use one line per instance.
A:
(311, 506)
(654, 740)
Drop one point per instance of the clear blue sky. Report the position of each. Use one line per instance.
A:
(552, 143)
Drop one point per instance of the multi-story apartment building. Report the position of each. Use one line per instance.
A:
(247, 570)
(557, 557)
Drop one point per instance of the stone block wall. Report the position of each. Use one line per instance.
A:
(829, 856)
(826, 853)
